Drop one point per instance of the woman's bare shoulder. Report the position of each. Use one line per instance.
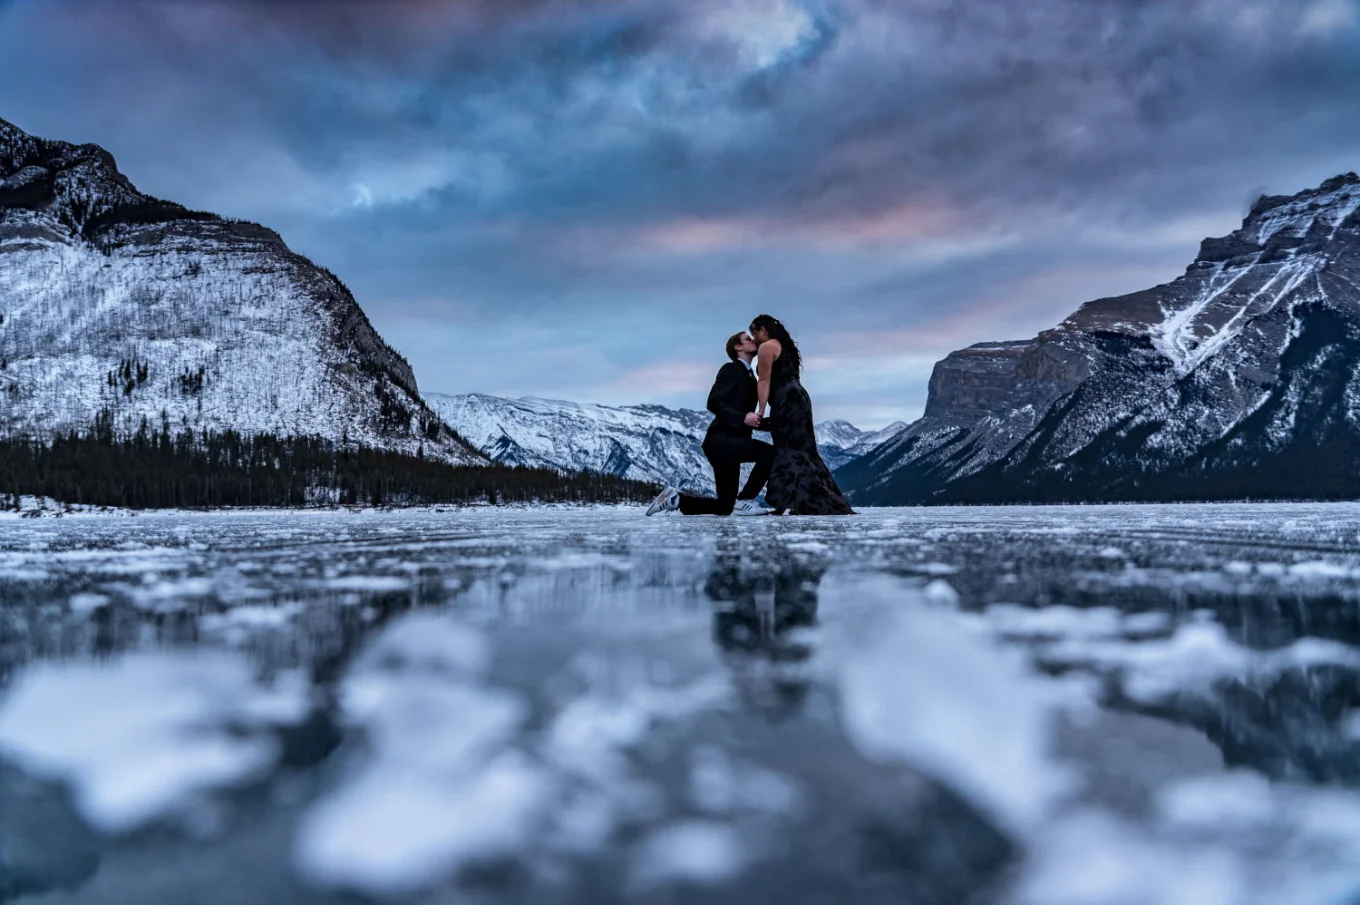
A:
(769, 350)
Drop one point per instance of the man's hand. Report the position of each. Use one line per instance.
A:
(753, 420)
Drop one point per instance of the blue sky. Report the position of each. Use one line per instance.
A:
(582, 198)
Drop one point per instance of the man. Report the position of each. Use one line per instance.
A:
(728, 442)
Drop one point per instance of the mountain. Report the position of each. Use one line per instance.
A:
(116, 304)
(841, 442)
(643, 442)
(1239, 379)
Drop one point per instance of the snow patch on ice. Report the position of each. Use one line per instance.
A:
(1196, 655)
(142, 737)
(695, 851)
(916, 689)
(441, 787)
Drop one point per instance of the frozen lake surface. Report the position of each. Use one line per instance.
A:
(1039, 706)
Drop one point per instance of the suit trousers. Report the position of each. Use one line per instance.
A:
(727, 458)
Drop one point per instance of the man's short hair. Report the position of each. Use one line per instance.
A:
(732, 342)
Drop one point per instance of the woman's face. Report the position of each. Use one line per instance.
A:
(760, 335)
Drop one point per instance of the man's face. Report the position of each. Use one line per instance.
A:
(748, 345)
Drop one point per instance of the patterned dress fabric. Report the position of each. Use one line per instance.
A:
(799, 480)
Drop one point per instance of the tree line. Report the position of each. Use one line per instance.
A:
(154, 469)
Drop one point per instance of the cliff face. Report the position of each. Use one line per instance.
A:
(116, 302)
(1220, 384)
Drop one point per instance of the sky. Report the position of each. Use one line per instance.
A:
(582, 199)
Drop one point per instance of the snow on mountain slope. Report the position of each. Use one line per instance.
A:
(645, 442)
(112, 301)
(840, 442)
(1239, 378)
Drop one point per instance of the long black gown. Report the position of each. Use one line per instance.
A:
(799, 480)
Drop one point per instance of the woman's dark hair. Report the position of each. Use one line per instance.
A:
(788, 348)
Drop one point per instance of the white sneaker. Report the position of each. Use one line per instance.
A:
(750, 507)
(666, 501)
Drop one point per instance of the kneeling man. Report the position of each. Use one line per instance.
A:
(728, 442)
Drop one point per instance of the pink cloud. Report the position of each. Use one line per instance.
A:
(651, 381)
(901, 223)
(1019, 310)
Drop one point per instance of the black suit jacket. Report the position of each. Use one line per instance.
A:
(732, 398)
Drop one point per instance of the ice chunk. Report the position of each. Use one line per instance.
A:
(942, 593)
(1058, 621)
(916, 688)
(1094, 859)
(143, 736)
(810, 546)
(720, 785)
(1193, 658)
(375, 584)
(427, 642)
(87, 603)
(441, 784)
(1320, 570)
(694, 851)
(1240, 799)
(395, 830)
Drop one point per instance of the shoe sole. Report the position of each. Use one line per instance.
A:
(662, 504)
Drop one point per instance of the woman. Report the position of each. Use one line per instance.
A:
(799, 480)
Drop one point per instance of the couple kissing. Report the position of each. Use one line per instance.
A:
(764, 373)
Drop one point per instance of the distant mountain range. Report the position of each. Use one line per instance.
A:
(118, 304)
(643, 442)
(1239, 379)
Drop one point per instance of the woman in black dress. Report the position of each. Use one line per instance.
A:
(799, 480)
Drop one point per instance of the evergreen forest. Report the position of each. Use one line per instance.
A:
(155, 469)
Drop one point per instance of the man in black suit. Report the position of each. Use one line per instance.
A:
(728, 442)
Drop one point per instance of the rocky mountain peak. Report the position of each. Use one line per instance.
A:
(1286, 226)
(1238, 378)
(10, 134)
(1331, 186)
(118, 303)
(1284, 242)
(16, 146)
(55, 189)
(838, 431)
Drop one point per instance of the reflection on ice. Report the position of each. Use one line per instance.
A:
(1090, 705)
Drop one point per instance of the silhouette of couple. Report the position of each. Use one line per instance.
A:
(763, 373)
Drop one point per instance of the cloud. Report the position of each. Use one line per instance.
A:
(672, 166)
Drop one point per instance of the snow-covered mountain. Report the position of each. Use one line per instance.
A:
(645, 442)
(1240, 378)
(113, 301)
(841, 442)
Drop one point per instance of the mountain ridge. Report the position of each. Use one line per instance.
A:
(114, 301)
(1128, 397)
(643, 442)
